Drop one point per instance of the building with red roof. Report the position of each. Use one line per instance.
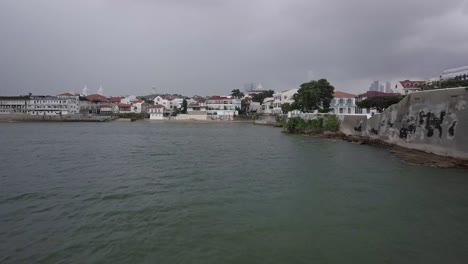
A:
(97, 98)
(124, 108)
(67, 94)
(156, 112)
(223, 107)
(411, 86)
(343, 103)
(115, 99)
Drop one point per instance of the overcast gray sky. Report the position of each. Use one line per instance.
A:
(213, 46)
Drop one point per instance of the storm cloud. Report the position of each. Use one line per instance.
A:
(211, 47)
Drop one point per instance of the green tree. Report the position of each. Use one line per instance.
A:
(286, 107)
(245, 103)
(237, 93)
(184, 107)
(380, 103)
(259, 97)
(314, 95)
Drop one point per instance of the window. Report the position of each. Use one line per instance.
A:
(341, 110)
(341, 101)
(349, 110)
(349, 101)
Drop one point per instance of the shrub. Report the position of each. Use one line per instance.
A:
(331, 123)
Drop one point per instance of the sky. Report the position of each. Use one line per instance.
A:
(209, 47)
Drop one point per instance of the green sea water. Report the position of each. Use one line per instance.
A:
(161, 192)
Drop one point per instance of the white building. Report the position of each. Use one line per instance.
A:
(411, 86)
(343, 103)
(196, 108)
(87, 107)
(156, 112)
(125, 108)
(14, 104)
(169, 102)
(139, 106)
(283, 98)
(223, 107)
(267, 106)
(255, 107)
(54, 105)
(128, 99)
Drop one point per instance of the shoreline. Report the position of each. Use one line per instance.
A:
(407, 155)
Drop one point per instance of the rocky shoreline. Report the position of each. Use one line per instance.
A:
(410, 156)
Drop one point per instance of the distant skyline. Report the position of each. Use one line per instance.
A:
(210, 47)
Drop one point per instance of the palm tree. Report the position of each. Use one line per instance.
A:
(237, 93)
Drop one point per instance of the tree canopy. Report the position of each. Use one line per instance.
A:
(380, 103)
(314, 95)
(259, 97)
(184, 107)
(237, 93)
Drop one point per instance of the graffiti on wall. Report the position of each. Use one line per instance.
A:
(429, 122)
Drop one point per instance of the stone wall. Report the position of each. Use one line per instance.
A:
(266, 120)
(58, 118)
(432, 121)
(191, 117)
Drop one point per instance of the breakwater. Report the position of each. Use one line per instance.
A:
(431, 121)
(50, 118)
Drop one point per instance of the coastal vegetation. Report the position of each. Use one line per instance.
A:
(259, 97)
(132, 115)
(459, 81)
(314, 96)
(298, 125)
(380, 103)
(183, 110)
(236, 93)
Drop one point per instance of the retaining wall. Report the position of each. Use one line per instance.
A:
(433, 121)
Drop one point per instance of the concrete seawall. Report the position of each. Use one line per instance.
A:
(266, 120)
(56, 118)
(432, 121)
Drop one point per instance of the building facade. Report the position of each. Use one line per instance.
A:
(54, 105)
(14, 104)
(223, 107)
(156, 112)
(343, 103)
(411, 86)
(285, 97)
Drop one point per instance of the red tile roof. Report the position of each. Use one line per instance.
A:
(115, 99)
(216, 97)
(124, 105)
(97, 97)
(156, 106)
(407, 84)
(106, 106)
(342, 94)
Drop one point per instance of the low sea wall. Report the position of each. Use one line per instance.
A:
(433, 121)
(190, 117)
(266, 120)
(52, 118)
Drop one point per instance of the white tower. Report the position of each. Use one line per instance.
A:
(85, 91)
(100, 91)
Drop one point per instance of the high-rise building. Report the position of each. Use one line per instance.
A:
(252, 87)
(388, 89)
(379, 86)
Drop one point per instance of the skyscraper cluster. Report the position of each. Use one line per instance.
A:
(380, 86)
